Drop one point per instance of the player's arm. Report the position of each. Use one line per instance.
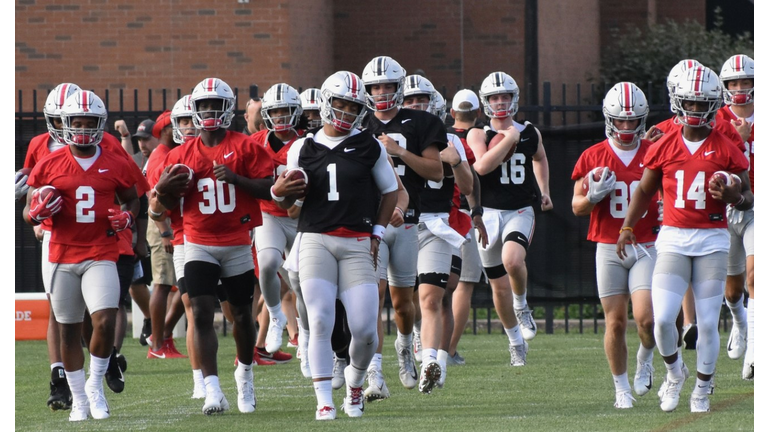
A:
(398, 215)
(488, 160)
(428, 165)
(255, 187)
(388, 183)
(125, 136)
(580, 205)
(129, 200)
(295, 210)
(168, 190)
(541, 171)
(476, 212)
(461, 171)
(638, 205)
(25, 212)
(738, 194)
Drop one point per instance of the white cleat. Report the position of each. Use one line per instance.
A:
(408, 374)
(671, 396)
(377, 388)
(215, 402)
(518, 354)
(98, 404)
(737, 342)
(416, 345)
(748, 371)
(327, 412)
(302, 352)
(275, 333)
(443, 372)
(354, 403)
(643, 378)
(246, 398)
(699, 403)
(430, 375)
(624, 400)
(199, 391)
(526, 322)
(80, 412)
(338, 379)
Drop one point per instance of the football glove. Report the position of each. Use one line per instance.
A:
(40, 210)
(120, 220)
(599, 189)
(21, 185)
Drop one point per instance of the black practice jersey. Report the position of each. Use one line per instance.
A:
(415, 131)
(342, 191)
(512, 185)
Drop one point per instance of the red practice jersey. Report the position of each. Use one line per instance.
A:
(685, 178)
(279, 161)
(457, 220)
(725, 115)
(669, 125)
(608, 215)
(81, 230)
(216, 213)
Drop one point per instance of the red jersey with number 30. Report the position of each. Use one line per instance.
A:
(279, 160)
(608, 215)
(81, 230)
(216, 213)
(725, 115)
(685, 178)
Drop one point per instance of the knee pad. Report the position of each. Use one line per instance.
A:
(437, 279)
(517, 237)
(495, 272)
(203, 278)
(239, 289)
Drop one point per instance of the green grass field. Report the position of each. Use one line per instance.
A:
(566, 386)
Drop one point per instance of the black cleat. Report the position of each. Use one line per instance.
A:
(146, 331)
(61, 397)
(690, 336)
(114, 375)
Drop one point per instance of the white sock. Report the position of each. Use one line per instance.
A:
(515, 338)
(243, 368)
(323, 393)
(355, 377)
(197, 378)
(738, 311)
(520, 301)
(406, 340)
(375, 362)
(57, 364)
(621, 382)
(428, 354)
(212, 384)
(97, 370)
(644, 355)
(76, 381)
(674, 370)
(702, 387)
(417, 327)
(442, 357)
(274, 311)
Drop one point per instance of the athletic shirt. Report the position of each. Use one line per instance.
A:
(725, 115)
(512, 185)
(217, 213)
(436, 196)
(413, 130)
(462, 134)
(278, 150)
(81, 231)
(725, 127)
(608, 215)
(342, 195)
(685, 176)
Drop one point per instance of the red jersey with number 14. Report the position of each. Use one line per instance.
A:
(81, 230)
(608, 215)
(217, 213)
(685, 178)
(279, 160)
(725, 115)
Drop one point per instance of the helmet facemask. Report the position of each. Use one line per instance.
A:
(82, 137)
(213, 119)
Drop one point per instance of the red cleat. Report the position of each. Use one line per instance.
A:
(258, 360)
(170, 349)
(294, 341)
(278, 356)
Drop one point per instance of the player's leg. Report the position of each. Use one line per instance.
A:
(734, 289)
(403, 258)
(447, 321)
(471, 271)
(640, 280)
(270, 241)
(59, 397)
(517, 235)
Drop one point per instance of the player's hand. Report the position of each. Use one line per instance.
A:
(482, 233)
(223, 173)
(122, 128)
(398, 217)
(450, 155)
(720, 191)
(625, 237)
(21, 185)
(653, 134)
(120, 220)
(743, 127)
(172, 184)
(140, 250)
(510, 132)
(661, 210)
(286, 187)
(375, 243)
(393, 148)
(38, 232)
(167, 244)
(546, 202)
(600, 189)
(40, 211)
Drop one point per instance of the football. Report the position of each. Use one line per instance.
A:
(298, 174)
(722, 176)
(183, 169)
(597, 174)
(24, 171)
(44, 191)
(497, 139)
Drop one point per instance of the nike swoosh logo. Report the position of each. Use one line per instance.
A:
(228, 154)
(101, 171)
(707, 364)
(524, 139)
(443, 281)
(409, 226)
(361, 239)
(520, 211)
(708, 153)
(641, 165)
(160, 356)
(347, 150)
(406, 120)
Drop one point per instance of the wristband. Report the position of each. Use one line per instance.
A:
(740, 202)
(477, 211)
(402, 213)
(166, 234)
(378, 231)
(154, 213)
(626, 228)
(275, 197)
(126, 135)
(298, 203)
(457, 164)
(157, 192)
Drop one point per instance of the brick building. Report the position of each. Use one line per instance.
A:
(173, 44)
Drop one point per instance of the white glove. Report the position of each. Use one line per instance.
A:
(661, 210)
(734, 215)
(21, 185)
(599, 189)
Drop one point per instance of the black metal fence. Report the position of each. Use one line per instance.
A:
(561, 268)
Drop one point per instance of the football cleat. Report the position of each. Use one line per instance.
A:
(671, 396)
(122, 362)
(170, 349)
(278, 356)
(246, 398)
(338, 379)
(377, 387)
(60, 397)
(98, 404)
(624, 400)
(430, 375)
(643, 378)
(199, 391)
(327, 412)
(526, 322)
(690, 336)
(737, 342)
(80, 412)
(114, 374)
(699, 403)
(215, 402)
(408, 374)
(456, 360)
(294, 341)
(354, 402)
(416, 345)
(275, 332)
(146, 332)
(518, 354)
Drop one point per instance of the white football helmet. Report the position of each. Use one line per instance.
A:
(699, 84)
(183, 108)
(52, 108)
(498, 83)
(213, 88)
(310, 101)
(83, 103)
(417, 85)
(676, 73)
(625, 101)
(342, 85)
(739, 66)
(383, 70)
(281, 96)
(439, 106)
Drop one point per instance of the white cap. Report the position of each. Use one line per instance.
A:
(465, 95)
